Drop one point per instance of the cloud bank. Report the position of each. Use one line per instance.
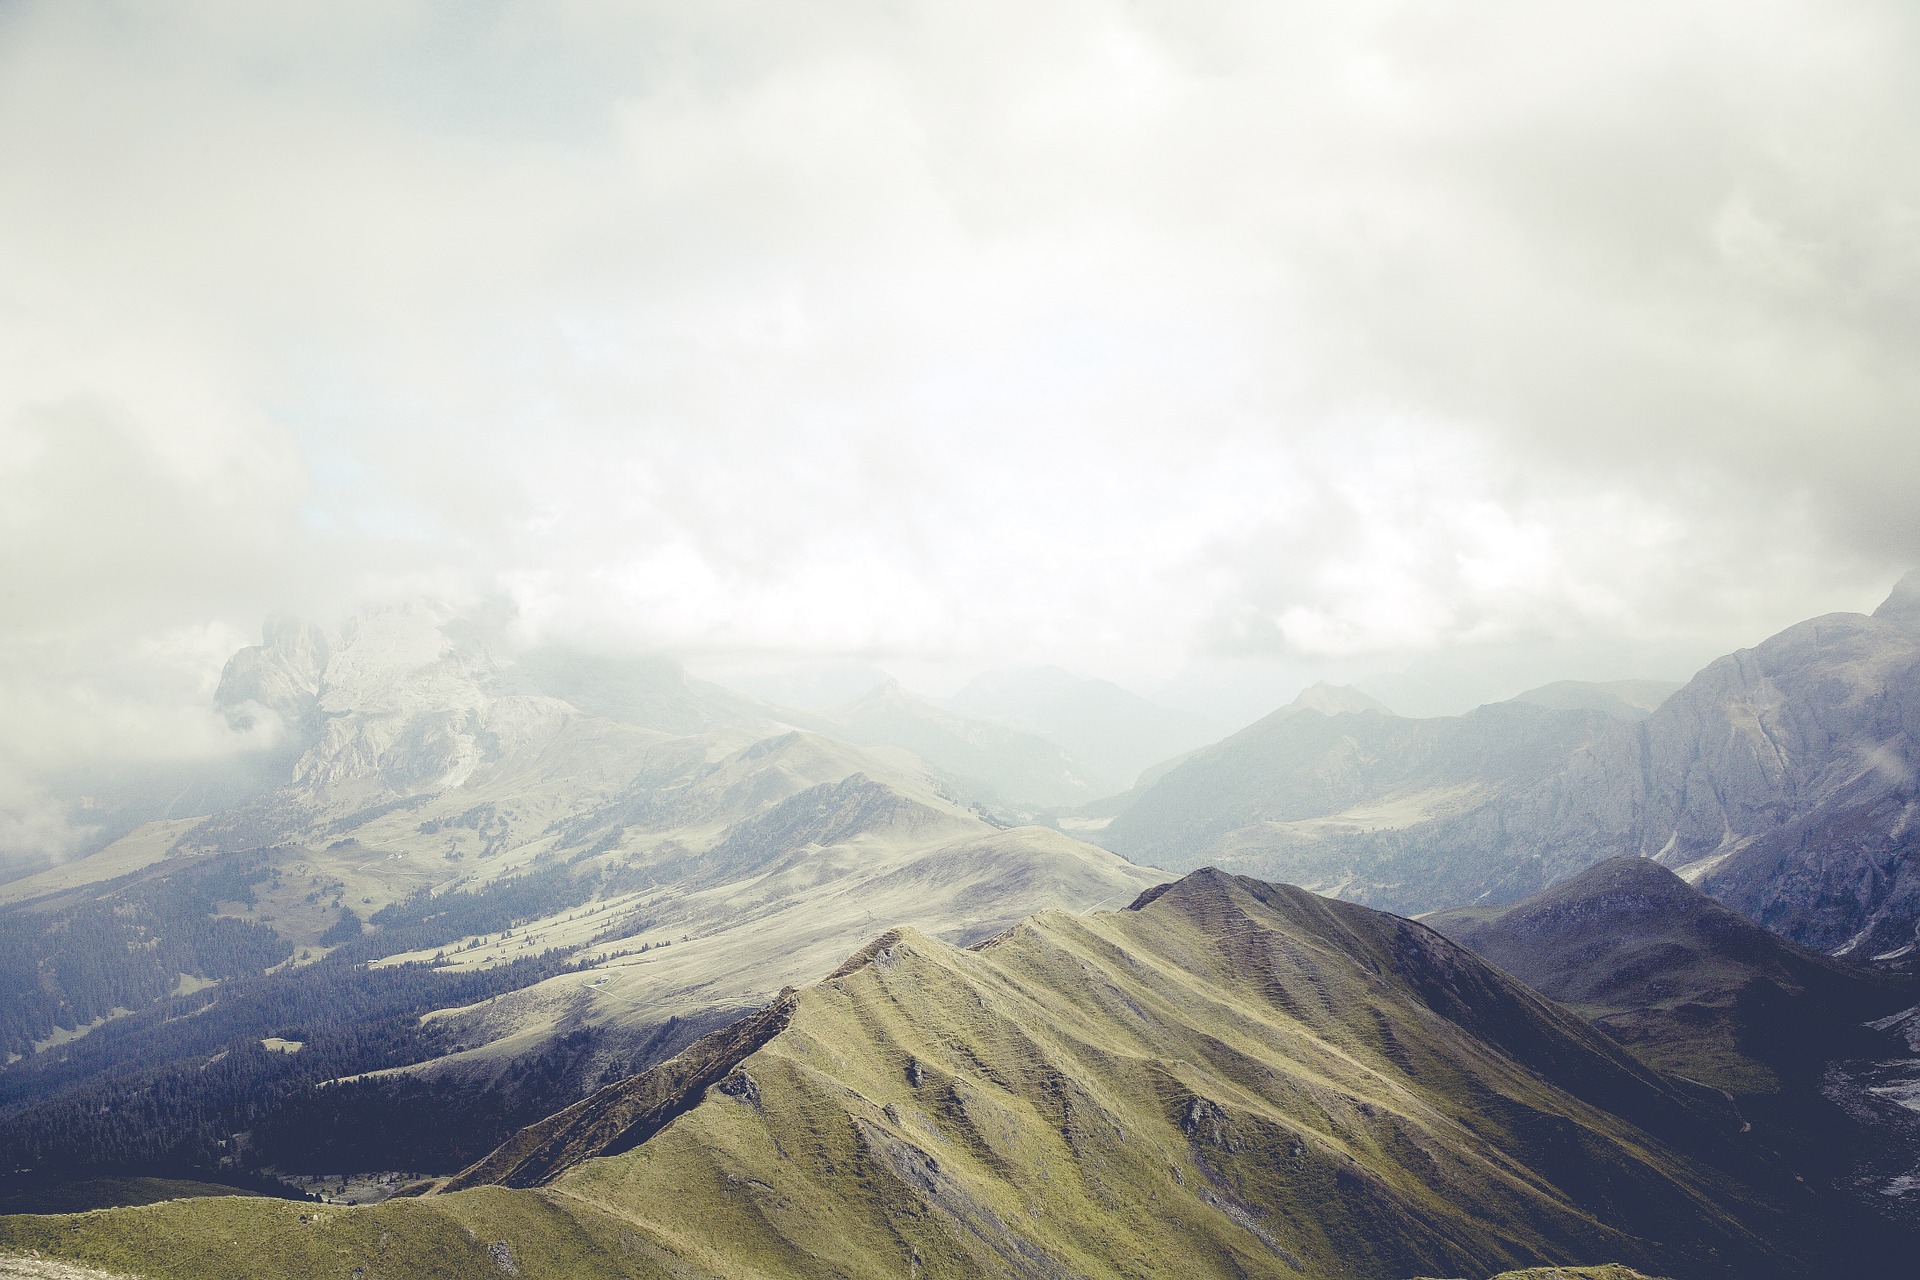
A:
(1149, 338)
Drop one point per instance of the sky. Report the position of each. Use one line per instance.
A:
(1210, 347)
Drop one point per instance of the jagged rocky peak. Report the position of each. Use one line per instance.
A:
(1903, 603)
(395, 696)
(282, 675)
(300, 664)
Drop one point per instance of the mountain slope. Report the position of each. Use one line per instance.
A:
(1781, 778)
(1301, 790)
(1621, 699)
(1690, 985)
(1231, 1079)
(605, 857)
(691, 899)
(1264, 1080)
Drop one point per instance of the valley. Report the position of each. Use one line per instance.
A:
(601, 912)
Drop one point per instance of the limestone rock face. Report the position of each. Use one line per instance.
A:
(422, 697)
(1781, 778)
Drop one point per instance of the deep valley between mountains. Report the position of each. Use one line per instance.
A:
(544, 964)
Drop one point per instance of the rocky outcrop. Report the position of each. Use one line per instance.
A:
(1782, 779)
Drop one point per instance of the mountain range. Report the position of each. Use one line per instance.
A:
(600, 911)
(1229, 1078)
(1781, 779)
(561, 867)
(1690, 985)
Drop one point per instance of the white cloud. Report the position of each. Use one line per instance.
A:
(953, 335)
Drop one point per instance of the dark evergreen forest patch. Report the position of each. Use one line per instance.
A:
(182, 1083)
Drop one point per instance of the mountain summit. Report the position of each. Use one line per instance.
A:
(1333, 700)
(1902, 605)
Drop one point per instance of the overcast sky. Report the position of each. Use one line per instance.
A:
(1205, 346)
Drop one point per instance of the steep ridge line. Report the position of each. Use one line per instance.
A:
(626, 1113)
(1236, 1079)
(1247, 927)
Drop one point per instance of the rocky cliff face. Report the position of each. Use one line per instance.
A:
(421, 697)
(1782, 779)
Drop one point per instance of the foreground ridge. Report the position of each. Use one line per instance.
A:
(1232, 1078)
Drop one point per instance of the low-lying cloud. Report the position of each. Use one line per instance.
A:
(1139, 337)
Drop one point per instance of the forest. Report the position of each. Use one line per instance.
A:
(183, 1083)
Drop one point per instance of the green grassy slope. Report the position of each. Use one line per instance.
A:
(47, 1194)
(1233, 1079)
(1236, 1080)
(485, 1233)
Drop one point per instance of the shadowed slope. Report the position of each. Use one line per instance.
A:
(1230, 1079)
(1692, 986)
(625, 1114)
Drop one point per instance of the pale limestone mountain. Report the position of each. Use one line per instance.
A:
(1781, 779)
(671, 853)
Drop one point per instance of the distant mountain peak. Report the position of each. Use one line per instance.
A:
(1621, 699)
(1672, 973)
(889, 692)
(1629, 873)
(1903, 603)
(1334, 699)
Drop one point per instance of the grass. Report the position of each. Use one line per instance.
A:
(74, 1195)
(1237, 1080)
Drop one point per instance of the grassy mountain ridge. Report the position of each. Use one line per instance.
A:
(693, 892)
(1230, 1079)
